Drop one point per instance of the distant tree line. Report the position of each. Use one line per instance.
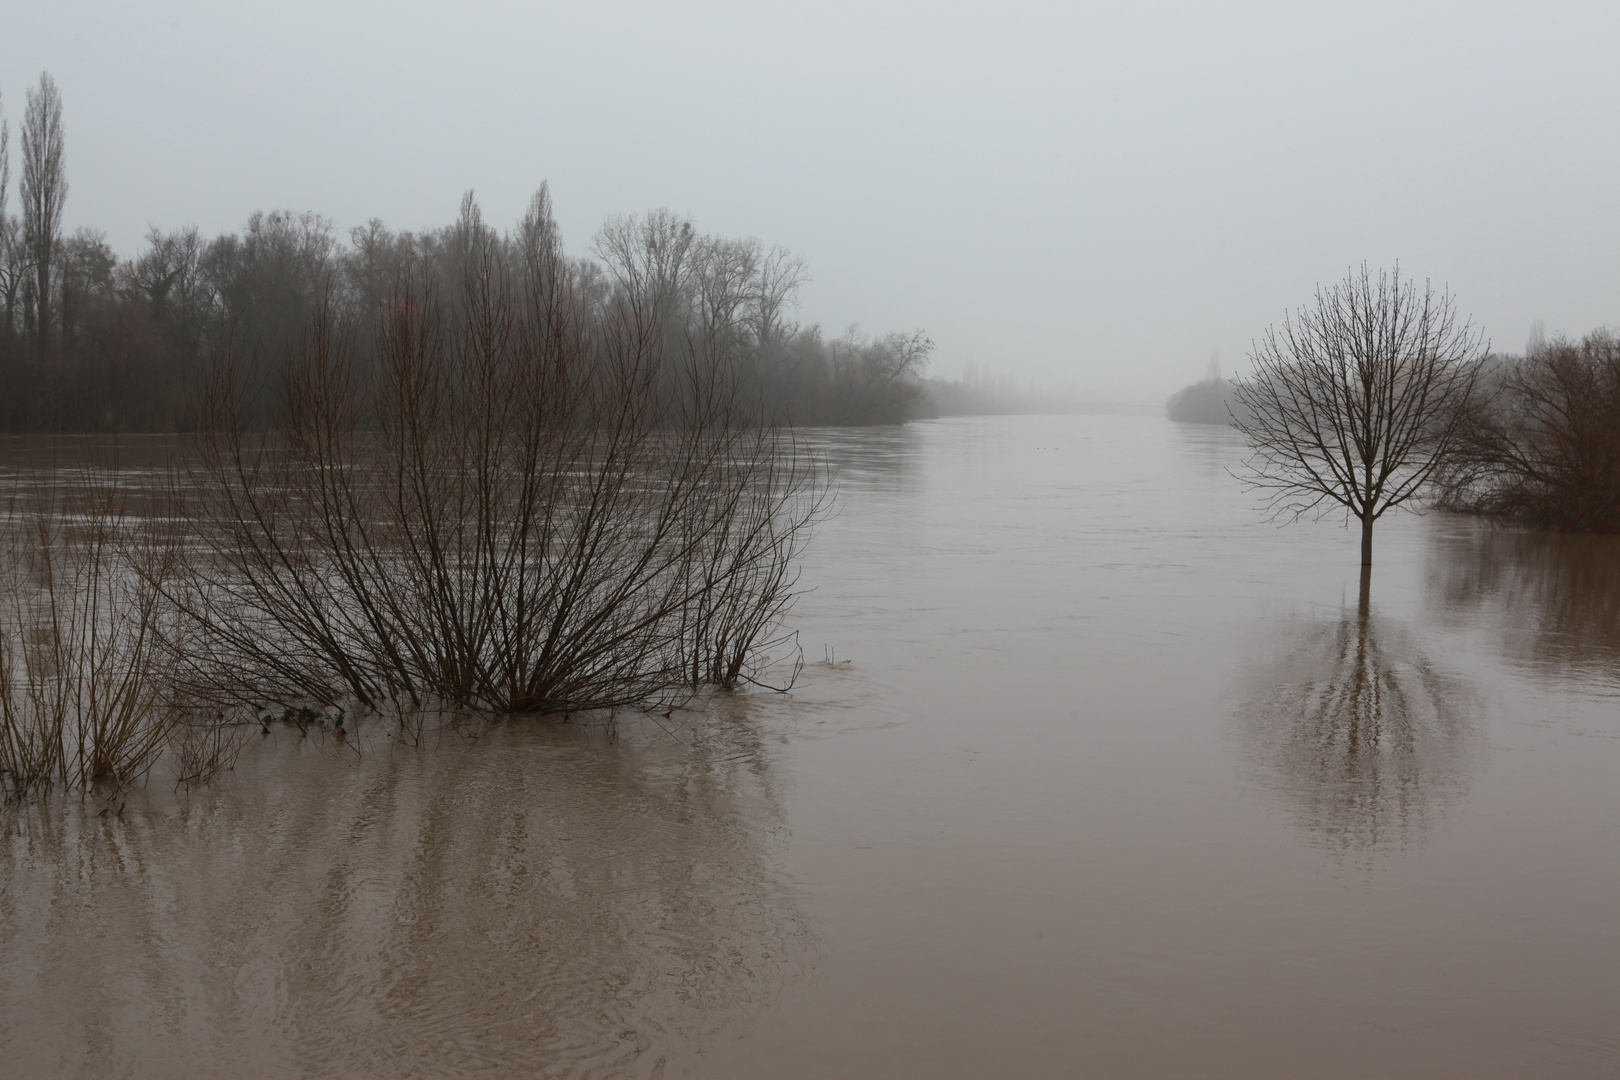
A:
(90, 341)
(1211, 400)
(1208, 401)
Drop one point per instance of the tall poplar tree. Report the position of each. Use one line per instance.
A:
(43, 190)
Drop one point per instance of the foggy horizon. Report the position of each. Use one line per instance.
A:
(1097, 199)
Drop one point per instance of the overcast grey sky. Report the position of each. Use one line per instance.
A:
(1093, 194)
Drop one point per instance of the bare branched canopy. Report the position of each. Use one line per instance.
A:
(523, 502)
(1355, 401)
(43, 189)
(12, 256)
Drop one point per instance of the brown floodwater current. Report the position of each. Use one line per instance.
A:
(1091, 772)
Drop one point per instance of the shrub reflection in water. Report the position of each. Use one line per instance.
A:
(1555, 596)
(543, 898)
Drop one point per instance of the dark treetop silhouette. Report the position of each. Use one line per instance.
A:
(1356, 400)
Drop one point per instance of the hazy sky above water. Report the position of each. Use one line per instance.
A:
(1098, 195)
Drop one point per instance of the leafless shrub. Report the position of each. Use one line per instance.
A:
(526, 501)
(1544, 449)
(206, 741)
(744, 572)
(86, 669)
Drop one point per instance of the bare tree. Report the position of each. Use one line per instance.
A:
(12, 262)
(1537, 339)
(780, 275)
(169, 277)
(652, 258)
(85, 268)
(5, 158)
(43, 190)
(1355, 401)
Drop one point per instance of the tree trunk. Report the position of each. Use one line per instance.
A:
(1366, 541)
(42, 266)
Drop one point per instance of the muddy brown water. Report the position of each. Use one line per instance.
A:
(1091, 772)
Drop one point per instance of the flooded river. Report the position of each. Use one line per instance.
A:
(1091, 772)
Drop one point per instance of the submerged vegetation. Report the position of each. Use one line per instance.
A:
(89, 650)
(528, 500)
(517, 484)
(463, 470)
(1542, 445)
(448, 469)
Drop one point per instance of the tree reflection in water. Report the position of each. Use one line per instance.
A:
(1552, 598)
(536, 902)
(1358, 730)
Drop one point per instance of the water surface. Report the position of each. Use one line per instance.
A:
(1092, 772)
